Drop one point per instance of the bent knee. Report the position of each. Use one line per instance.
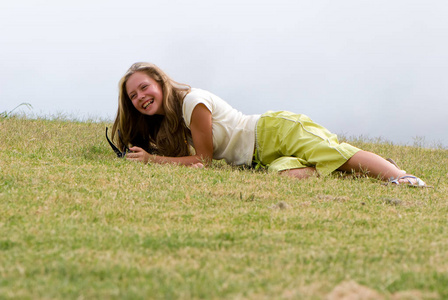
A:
(300, 173)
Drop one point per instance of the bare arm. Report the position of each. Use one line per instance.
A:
(201, 131)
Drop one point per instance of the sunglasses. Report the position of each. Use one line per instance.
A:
(120, 154)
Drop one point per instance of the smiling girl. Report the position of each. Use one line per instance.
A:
(169, 122)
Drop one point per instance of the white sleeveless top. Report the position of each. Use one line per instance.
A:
(233, 132)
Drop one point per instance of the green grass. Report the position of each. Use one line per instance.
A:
(78, 223)
(7, 114)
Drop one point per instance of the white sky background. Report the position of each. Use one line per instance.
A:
(371, 68)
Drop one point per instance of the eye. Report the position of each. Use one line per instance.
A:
(144, 87)
(132, 96)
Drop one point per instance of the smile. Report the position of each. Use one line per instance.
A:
(148, 103)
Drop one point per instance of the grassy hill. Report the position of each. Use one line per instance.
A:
(78, 223)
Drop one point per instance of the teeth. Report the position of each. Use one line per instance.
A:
(148, 104)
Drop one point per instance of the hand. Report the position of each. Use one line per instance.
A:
(197, 166)
(138, 154)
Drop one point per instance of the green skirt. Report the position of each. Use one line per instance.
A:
(285, 140)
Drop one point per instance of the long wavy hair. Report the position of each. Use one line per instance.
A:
(162, 135)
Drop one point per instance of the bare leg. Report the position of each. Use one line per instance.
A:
(364, 162)
(301, 173)
(371, 164)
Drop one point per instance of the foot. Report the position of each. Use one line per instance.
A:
(406, 179)
(409, 180)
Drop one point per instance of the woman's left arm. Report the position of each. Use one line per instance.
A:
(202, 134)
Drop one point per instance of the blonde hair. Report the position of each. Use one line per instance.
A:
(163, 135)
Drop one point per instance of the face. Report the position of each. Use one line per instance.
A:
(145, 93)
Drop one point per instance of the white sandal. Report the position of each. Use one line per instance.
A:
(412, 181)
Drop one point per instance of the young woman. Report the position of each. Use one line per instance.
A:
(168, 122)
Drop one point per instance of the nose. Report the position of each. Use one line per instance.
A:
(140, 96)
